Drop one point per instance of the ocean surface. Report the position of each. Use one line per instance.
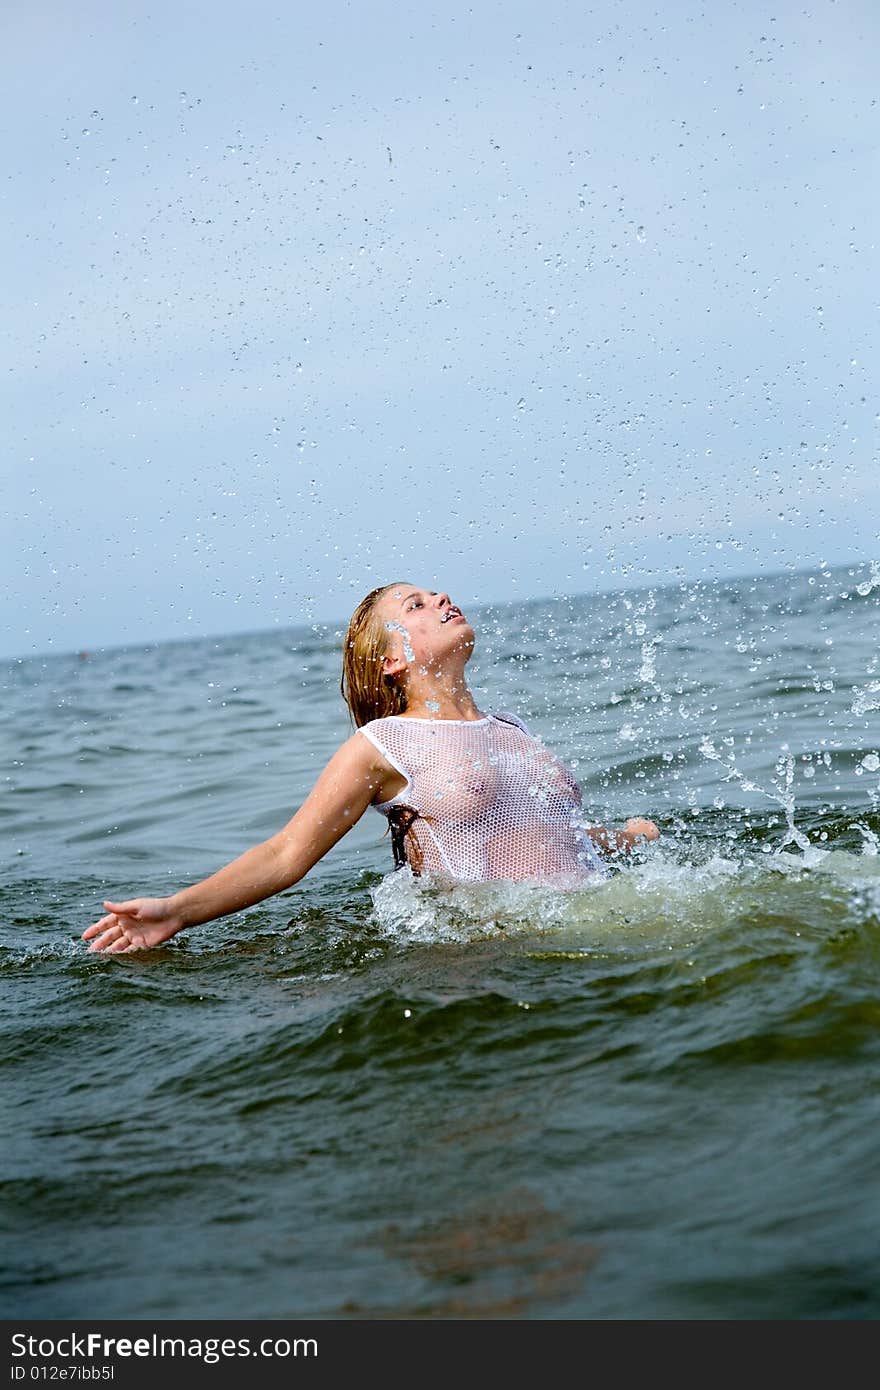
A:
(655, 1098)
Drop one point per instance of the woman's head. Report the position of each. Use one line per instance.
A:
(400, 635)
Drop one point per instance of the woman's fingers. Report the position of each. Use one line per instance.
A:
(97, 927)
(105, 939)
(124, 943)
(112, 942)
(109, 933)
(135, 925)
(114, 937)
(111, 918)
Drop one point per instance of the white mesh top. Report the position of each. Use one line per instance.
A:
(483, 799)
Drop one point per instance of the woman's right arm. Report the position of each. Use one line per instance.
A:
(349, 782)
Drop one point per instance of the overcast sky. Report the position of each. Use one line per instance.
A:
(509, 299)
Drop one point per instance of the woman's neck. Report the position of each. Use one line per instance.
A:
(430, 698)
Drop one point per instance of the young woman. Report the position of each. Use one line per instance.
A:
(468, 796)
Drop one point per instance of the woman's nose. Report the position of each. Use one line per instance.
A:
(442, 600)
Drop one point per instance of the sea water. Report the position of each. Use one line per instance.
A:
(374, 1097)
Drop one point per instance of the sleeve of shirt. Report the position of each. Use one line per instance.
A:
(369, 732)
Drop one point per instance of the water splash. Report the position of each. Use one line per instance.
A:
(785, 796)
(408, 652)
(680, 894)
(866, 699)
(872, 582)
(782, 791)
(870, 842)
(708, 749)
(648, 668)
(412, 909)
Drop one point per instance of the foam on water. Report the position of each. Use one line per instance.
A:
(672, 892)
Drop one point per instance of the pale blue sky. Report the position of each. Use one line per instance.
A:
(509, 299)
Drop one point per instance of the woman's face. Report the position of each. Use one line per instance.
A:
(424, 627)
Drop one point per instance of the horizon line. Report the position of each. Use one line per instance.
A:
(719, 581)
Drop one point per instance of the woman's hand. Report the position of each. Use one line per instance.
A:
(135, 925)
(616, 842)
(637, 826)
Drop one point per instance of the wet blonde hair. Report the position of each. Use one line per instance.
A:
(367, 691)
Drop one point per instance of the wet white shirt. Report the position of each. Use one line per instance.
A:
(484, 799)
